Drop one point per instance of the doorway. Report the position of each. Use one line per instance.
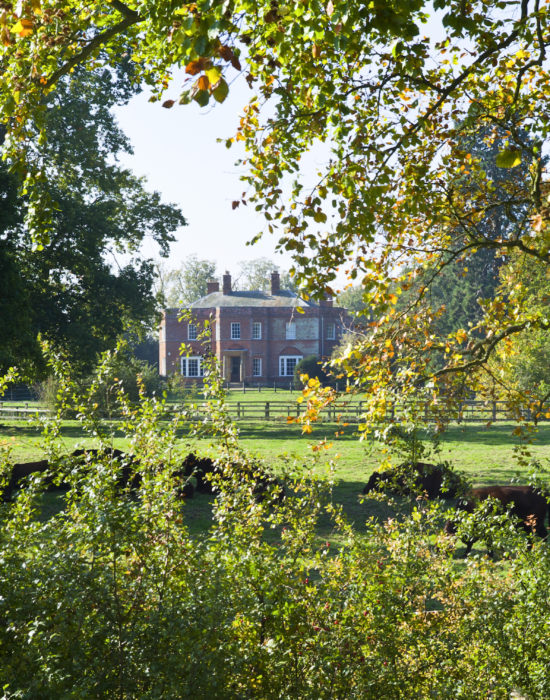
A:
(235, 369)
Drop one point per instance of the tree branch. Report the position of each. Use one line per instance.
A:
(131, 17)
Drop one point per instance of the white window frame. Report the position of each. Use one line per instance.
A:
(256, 366)
(187, 363)
(331, 331)
(291, 331)
(284, 362)
(235, 331)
(256, 330)
(192, 331)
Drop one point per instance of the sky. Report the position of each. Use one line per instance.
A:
(177, 151)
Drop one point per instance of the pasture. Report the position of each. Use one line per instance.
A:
(485, 455)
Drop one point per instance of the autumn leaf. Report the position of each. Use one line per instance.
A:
(168, 104)
(508, 158)
(23, 27)
(202, 83)
(195, 67)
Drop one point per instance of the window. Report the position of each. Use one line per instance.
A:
(256, 366)
(291, 331)
(235, 331)
(192, 367)
(287, 364)
(256, 330)
(331, 331)
(192, 331)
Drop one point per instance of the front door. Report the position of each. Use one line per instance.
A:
(235, 369)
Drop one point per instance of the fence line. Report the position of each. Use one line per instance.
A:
(347, 412)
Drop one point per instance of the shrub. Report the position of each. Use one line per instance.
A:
(312, 365)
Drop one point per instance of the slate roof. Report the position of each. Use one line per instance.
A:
(284, 298)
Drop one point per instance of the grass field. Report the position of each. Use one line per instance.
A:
(486, 455)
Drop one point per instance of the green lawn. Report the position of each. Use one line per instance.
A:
(486, 455)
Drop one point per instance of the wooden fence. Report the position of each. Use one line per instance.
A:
(347, 412)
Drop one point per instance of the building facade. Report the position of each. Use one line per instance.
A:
(258, 337)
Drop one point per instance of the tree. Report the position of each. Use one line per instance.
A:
(69, 292)
(186, 284)
(396, 110)
(256, 274)
(352, 299)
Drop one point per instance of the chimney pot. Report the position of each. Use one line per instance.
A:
(227, 283)
(275, 283)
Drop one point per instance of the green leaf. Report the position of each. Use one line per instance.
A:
(221, 91)
(509, 158)
(214, 75)
(202, 97)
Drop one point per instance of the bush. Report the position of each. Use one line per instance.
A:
(113, 598)
(312, 365)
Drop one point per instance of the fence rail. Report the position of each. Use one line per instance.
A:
(347, 412)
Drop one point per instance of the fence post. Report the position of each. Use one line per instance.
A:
(267, 410)
(494, 411)
(244, 390)
(238, 410)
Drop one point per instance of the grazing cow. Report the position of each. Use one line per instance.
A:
(409, 478)
(21, 470)
(129, 476)
(201, 467)
(527, 504)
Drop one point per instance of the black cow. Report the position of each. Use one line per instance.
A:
(410, 478)
(527, 504)
(201, 468)
(19, 471)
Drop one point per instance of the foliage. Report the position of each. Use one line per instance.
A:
(256, 274)
(186, 284)
(112, 597)
(352, 299)
(70, 292)
(398, 112)
(312, 366)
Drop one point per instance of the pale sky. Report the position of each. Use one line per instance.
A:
(176, 150)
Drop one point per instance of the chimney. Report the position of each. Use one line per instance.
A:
(227, 283)
(326, 301)
(213, 286)
(275, 283)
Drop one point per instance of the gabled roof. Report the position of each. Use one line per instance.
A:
(283, 298)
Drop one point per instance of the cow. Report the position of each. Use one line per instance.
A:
(19, 471)
(528, 504)
(202, 468)
(410, 478)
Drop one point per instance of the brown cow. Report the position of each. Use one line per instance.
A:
(527, 504)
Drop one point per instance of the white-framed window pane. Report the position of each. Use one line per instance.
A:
(192, 367)
(331, 331)
(256, 366)
(291, 331)
(256, 330)
(235, 331)
(287, 364)
(192, 331)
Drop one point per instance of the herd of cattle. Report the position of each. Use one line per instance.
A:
(192, 474)
(527, 504)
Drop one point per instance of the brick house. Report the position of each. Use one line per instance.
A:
(258, 337)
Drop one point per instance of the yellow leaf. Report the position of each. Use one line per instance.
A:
(214, 75)
(23, 27)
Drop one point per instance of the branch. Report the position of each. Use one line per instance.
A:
(130, 18)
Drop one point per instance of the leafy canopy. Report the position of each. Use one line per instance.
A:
(395, 107)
